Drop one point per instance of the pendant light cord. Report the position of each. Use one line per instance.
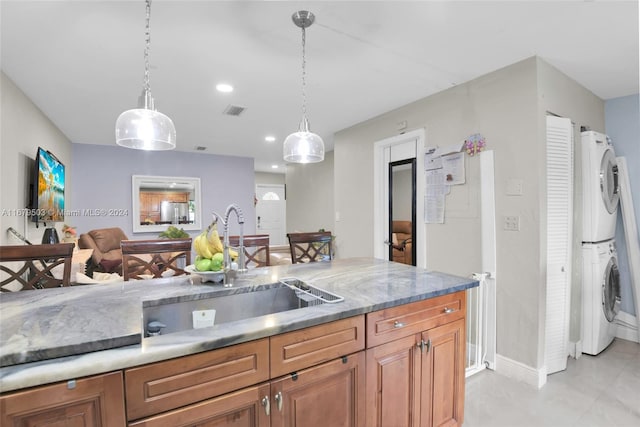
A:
(304, 76)
(147, 84)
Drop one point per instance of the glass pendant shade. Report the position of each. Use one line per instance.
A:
(145, 129)
(303, 146)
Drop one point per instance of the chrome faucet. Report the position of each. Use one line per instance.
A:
(229, 272)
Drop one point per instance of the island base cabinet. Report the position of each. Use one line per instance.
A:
(443, 375)
(331, 394)
(88, 402)
(243, 408)
(417, 380)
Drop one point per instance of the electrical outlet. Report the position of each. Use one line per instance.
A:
(511, 223)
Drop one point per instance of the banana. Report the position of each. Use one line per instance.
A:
(213, 239)
(201, 247)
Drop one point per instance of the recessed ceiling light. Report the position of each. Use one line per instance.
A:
(269, 138)
(224, 88)
(274, 166)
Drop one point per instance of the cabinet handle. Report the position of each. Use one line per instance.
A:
(397, 324)
(278, 398)
(267, 405)
(448, 310)
(422, 345)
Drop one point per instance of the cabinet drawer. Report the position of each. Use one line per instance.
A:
(307, 347)
(162, 386)
(91, 401)
(397, 322)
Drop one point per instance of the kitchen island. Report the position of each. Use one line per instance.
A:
(66, 334)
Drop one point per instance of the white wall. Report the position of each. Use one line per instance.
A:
(269, 178)
(507, 107)
(310, 196)
(24, 128)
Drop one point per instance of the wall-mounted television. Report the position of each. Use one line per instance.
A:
(48, 188)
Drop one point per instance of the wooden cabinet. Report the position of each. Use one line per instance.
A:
(330, 394)
(417, 378)
(286, 380)
(401, 366)
(242, 408)
(174, 383)
(151, 201)
(93, 401)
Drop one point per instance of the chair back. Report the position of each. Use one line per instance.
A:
(154, 257)
(256, 249)
(310, 247)
(35, 266)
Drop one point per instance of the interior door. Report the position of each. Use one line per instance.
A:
(271, 212)
(402, 200)
(559, 241)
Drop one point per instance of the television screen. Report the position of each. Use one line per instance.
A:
(48, 186)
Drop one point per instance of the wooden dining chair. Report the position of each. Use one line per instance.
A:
(311, 247)
(32, 266)
(141, 258)
(256, 249)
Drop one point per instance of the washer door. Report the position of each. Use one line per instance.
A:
(611, 290)
(609, 181)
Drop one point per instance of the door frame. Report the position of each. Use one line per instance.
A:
(381, 161)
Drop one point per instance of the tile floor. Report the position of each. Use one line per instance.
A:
(594, 391)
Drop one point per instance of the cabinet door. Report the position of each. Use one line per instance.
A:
(443, 375)
(330, 394)
(393, 388)
(95, 401)
(243, 408)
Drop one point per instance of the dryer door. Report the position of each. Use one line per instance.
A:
(609, 181)
(611, 290)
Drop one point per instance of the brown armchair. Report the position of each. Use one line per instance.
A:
(105, 243)
(402, 242)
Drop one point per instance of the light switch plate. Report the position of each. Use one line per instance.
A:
(514, 187)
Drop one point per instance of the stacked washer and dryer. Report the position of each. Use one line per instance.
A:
(600, 277)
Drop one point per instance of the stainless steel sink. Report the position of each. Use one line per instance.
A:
(177, 314)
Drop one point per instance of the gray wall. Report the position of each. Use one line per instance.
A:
(102, 177)
(623, 126)
(508, 107)
(24, 128)
(310, 196)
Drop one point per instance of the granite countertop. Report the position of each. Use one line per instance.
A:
(66, 333)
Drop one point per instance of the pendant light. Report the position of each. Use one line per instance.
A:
(144, 128)
(303, 146)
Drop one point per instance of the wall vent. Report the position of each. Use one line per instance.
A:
(200, 148)
(233, 110)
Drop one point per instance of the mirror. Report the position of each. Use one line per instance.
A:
(402, 211)
(161, 201)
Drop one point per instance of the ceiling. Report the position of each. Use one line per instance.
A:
(81, 62)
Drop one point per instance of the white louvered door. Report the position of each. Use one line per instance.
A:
(559, 241)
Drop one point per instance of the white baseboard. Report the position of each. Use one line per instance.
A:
(627, 327)
(521, 372)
